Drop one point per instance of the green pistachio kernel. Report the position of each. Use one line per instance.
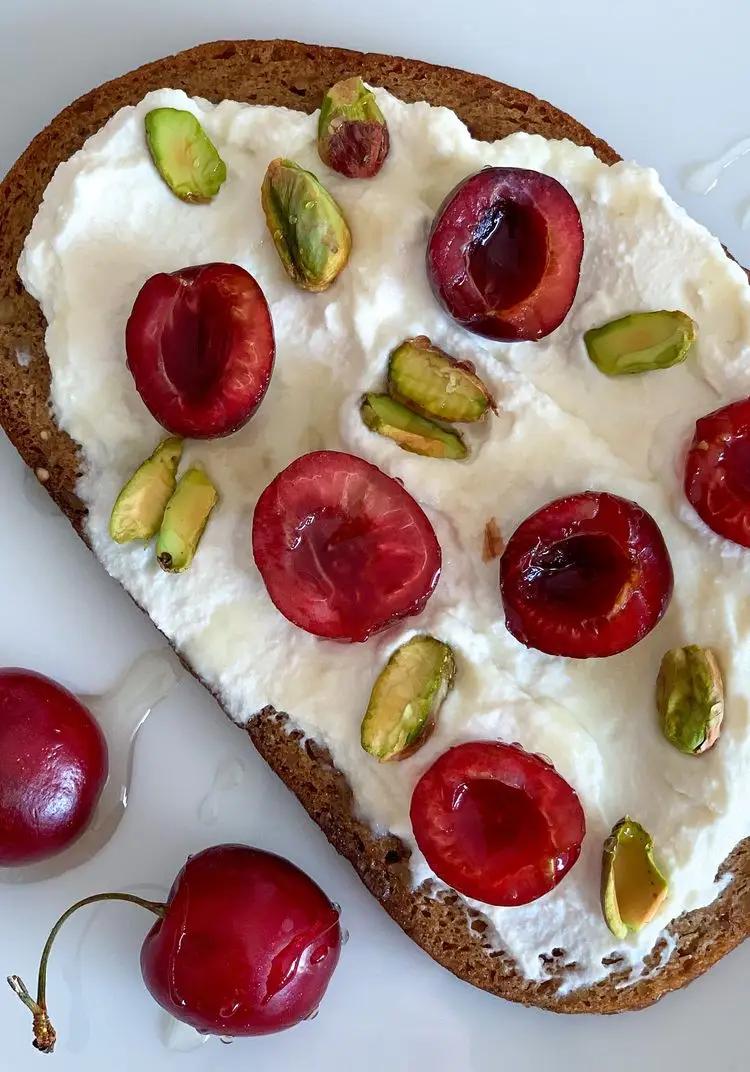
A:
(690, 698)
(406, 698)
(140, 506)
(308, 228)
(184, 155)
(185, 518)
(633, 888)
(429, 381)
(641, 342)
(383, 415)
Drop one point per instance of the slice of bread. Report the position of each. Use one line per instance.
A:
(296, 75)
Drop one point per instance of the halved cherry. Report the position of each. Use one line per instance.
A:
(504, 253)
(717, 471)
(342, 548)
(586, 576)
(200, 347)
(497, 823)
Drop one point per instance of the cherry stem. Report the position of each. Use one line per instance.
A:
(44, 1033)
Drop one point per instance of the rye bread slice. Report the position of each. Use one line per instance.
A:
(296, 75)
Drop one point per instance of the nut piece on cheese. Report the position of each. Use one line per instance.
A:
(633, 887)
(406, 698)
(185, 518)
(140, 506)
(416, 434)
(429, 381)
(640, 342)
(184, 155)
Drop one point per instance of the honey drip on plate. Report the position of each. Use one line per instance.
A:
(703, 178)
(229, 775)
(121, 711)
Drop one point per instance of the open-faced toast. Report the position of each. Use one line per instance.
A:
(296, 75)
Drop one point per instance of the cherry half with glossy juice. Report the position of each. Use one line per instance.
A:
(587, 576)
(200, 347)
(504, 254)
(53, 767)
(717, 471)
(497, 823)
(245, 944)
(343, 549)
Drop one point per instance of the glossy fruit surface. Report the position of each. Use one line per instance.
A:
(586, 576)
(343, 549)
(201, 349)
(53, 767)
(247, 945)
(717, 471)
(504, 254)
(497, 823)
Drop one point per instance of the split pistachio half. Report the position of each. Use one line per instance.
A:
(406, 698)
(185, 518)
(384, 415)
(633, 888)
(641, 342)
(184, 155)
(140, 506)
(434, 384)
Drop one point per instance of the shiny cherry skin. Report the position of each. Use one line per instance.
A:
(247, 945)
(497, 823)
(343, 549)
(717, 471)
(200, 347)
(53, 767)
(504, 254)
(586, 576)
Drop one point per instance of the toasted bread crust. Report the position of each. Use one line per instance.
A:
(296, 75)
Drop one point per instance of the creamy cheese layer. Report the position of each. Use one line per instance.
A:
(108, 222)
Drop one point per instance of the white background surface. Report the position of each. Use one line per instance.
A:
(665, 82)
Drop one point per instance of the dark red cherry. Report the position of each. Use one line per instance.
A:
(245, 944)
(504, 254)
(200, 347)
(53, 767)
(497, 823)
(342, 548)
(586, 576)
(717, 471)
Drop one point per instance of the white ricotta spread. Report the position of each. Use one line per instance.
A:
(108, 222)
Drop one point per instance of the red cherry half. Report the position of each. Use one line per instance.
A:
(717, 471)
(247, 946)
(586, 576)
(53, 767)
(200, 347)
(497, 823)
(342, 548)
(504, 254)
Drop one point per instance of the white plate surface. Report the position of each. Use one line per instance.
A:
(665, 82)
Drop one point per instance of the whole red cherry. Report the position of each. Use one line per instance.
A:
(201, 349)
(245, 944)
(53, 767)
